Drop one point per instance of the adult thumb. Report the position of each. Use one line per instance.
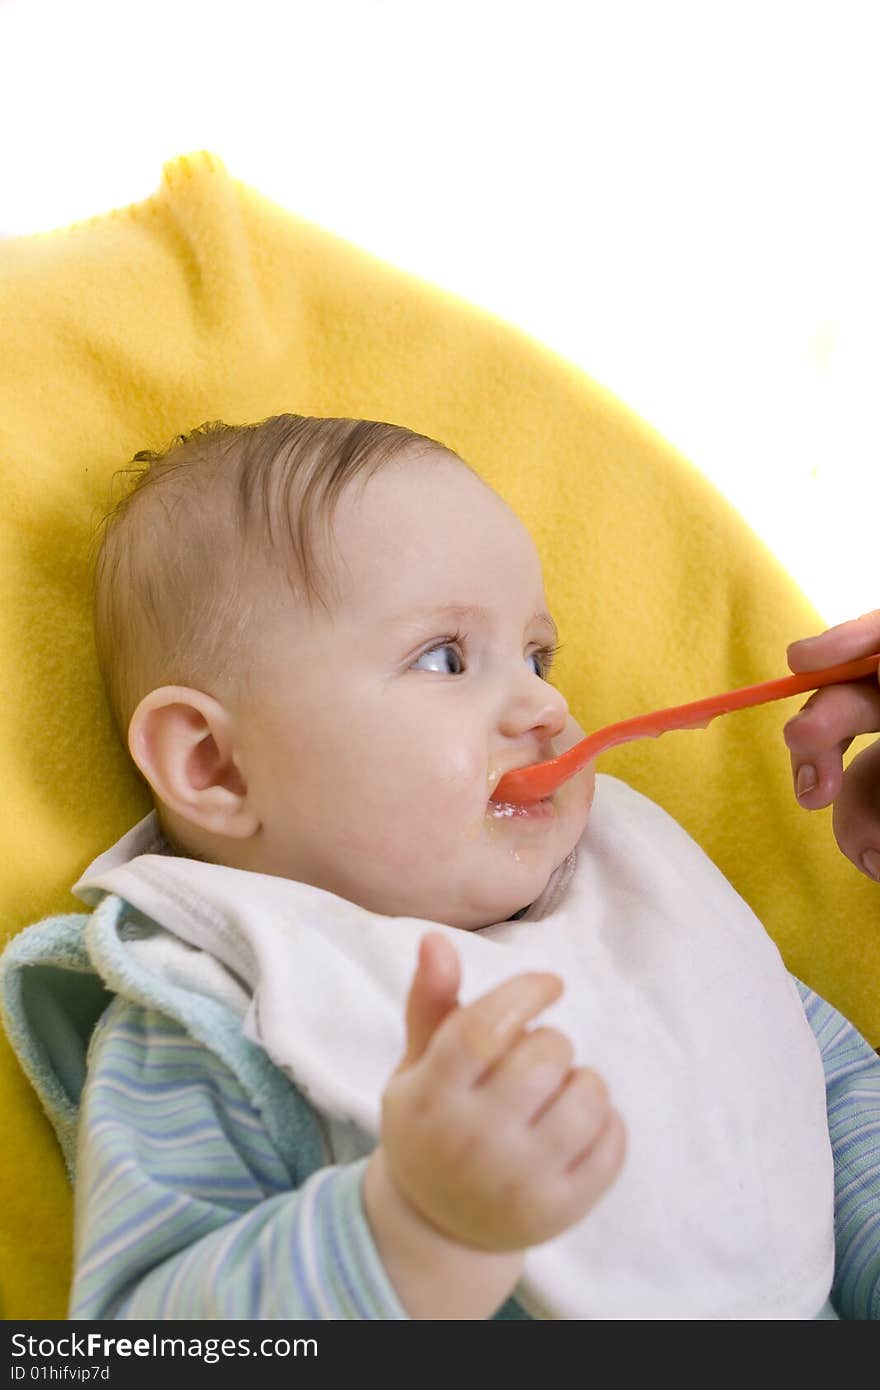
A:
(856, 815)
(432, 995)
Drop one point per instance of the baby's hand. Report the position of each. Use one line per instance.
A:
(487, 1129)
(820, 734)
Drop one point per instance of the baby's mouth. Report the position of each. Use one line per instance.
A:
(497, 775)
(516, 812)
(511, 810)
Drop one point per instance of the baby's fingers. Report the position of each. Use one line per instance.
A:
(530, 1073)
(583, 1143)
(573, 1120)
(471, 1041)
(594, 1170)
(432, 995)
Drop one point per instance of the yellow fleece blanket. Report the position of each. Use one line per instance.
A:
(207, 301)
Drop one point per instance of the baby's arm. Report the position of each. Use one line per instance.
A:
(185, 1208)
(490, 1141)
(852, 1081)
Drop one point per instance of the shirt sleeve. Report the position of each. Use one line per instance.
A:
(852, 1084)
(186, 1210)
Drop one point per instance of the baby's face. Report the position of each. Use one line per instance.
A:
(376, 734)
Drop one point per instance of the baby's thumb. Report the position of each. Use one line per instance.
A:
(432, 995)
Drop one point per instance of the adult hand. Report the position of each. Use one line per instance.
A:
(820, 734)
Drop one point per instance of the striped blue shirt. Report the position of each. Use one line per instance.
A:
(186, 1207)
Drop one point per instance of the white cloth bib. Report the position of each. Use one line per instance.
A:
(673, 992)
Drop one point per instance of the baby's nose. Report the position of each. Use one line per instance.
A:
(553, 713)
(537, 707)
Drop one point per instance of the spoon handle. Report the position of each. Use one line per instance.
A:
(530, 784)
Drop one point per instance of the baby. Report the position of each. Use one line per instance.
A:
(317, 1092)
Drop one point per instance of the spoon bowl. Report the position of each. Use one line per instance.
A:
(527, 785)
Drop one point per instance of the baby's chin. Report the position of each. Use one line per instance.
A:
(491, 915)
(514, 888)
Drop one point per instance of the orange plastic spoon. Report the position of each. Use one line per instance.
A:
(540, 780)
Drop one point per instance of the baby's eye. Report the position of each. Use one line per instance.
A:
(543, 659)
(445, 658)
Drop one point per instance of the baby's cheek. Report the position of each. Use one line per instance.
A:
(458, 770)
(571, 734)
(456, 802)
(575, 795)
(427, 793)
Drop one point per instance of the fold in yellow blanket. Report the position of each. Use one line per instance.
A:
(207, 301)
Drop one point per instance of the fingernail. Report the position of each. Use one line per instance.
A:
(871, 863)
(806, 779)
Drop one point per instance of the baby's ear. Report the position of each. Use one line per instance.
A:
(183, 741)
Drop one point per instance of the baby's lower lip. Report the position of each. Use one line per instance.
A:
(534, 813)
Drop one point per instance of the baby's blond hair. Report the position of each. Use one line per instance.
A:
(176, 559)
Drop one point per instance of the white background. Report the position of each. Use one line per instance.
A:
(681, 197)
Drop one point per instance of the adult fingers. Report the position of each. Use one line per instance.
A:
(818, 736)
(856, 818)
(844, 642)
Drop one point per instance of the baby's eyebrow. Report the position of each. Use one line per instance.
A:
(462, 612)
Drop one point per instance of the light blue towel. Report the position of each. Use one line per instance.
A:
(56, 979)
